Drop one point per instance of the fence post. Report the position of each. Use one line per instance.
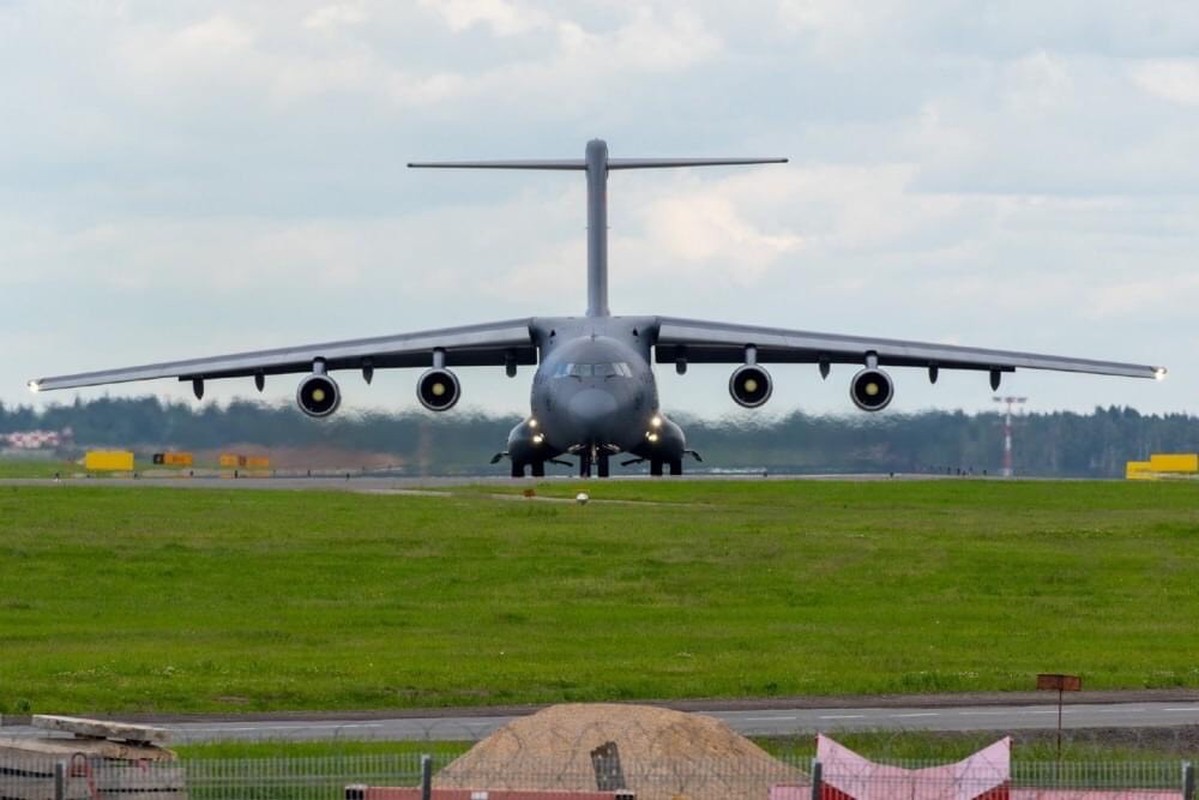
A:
(60, 780)
(817, 778)
(1188, 781)
(426, 778)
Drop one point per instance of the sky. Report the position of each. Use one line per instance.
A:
(198, 178)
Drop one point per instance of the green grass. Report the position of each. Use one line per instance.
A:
(36, 467)
(234, 749)
(120, 599)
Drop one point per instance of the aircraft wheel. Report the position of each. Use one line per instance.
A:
(676, 467)
(604, 466)
(655, 466)
(584, 465)
(518, 469)
(538, 469)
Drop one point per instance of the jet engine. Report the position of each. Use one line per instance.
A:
(318, 395)
(871, 389)
(438, 389)
(750, 385)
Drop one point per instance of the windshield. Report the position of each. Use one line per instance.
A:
(606, 369)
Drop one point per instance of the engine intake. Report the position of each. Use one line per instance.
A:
(750, 385)
(871, 389)
(438, 389)
(318, 395)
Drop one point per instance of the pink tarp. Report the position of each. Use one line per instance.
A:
(845, 775)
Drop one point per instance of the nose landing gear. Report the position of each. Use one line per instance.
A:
(595, 457)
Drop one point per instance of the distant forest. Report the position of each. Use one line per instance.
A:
(1053, 444)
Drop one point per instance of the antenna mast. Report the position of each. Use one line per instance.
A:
(1007, 431)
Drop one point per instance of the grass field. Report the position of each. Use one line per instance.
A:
(136, 599)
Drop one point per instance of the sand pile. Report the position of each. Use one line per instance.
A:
(663, 755)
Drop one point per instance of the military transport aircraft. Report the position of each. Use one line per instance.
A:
(594, 394)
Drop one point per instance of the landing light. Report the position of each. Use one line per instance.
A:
(653, 437)
(533, 422)
(1158, 374)
(656, 422)
(538, 439)
(35, 387)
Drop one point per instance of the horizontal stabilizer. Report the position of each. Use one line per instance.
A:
(557, 163)
(581, 164)
(661, 163)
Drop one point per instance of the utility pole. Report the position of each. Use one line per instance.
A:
(1007, 431)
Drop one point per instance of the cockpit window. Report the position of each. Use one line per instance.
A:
(607, 369)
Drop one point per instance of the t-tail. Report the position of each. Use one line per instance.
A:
(597, 165)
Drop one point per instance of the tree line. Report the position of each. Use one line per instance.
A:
(1053, 444)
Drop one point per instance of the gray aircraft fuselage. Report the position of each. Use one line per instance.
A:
(594, 395)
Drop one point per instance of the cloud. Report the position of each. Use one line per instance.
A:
(1175, 80)
(336, 16)
(501, 17)
(705, 224)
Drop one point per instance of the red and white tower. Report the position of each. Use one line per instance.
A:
(1007, 431)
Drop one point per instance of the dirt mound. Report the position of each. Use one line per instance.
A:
(663, 755)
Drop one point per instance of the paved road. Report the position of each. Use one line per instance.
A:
(758, 722)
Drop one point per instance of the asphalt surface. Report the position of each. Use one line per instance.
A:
(358, 482)
(931, 713)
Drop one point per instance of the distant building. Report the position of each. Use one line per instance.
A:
(37, 440)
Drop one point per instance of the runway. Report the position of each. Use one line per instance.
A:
(368, 483)
(779, 722)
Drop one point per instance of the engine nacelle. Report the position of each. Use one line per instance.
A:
(318, 395)
(438, 389)
(750, 385)
(871, 389)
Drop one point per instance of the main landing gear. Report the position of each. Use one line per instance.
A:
(656, 465)
(595, 458)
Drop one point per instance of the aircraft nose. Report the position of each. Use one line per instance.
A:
(592, 405)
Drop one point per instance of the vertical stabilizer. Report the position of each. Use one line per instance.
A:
(597, 228)
(597, 165)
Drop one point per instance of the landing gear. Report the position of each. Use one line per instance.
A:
(674, 465)
(536, 469)
(597, 457)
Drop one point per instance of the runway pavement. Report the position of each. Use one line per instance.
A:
(749, 722)
(374, 483)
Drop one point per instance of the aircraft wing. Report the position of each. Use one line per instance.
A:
(496, 343)
(700, 342)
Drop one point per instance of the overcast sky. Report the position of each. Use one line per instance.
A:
(195, 178)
